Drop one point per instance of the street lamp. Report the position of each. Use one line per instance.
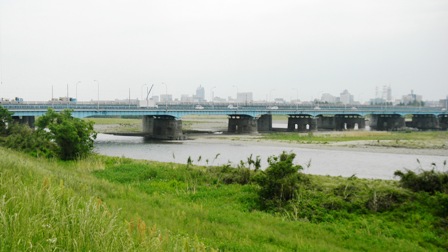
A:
(77, 90)
(141, 93)
(297, 99)
(166, 95)
(98, 98)
(236, 98)
(270, 94)
(213, 97)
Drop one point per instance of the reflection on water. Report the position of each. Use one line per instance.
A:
(323, 162)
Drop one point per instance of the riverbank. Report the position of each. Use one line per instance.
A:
(435, 147)
(152, 206)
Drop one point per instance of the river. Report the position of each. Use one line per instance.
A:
(334, 162)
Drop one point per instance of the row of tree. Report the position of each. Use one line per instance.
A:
(56, 134)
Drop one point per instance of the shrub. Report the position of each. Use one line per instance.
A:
(73, 136)
(427, 181)
(279, 181)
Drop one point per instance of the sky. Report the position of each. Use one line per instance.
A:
(274, 48)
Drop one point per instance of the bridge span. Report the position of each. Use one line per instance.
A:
(164, 121)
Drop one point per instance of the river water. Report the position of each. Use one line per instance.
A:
(332, 162)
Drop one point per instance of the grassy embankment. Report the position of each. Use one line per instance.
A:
(118, 204)
(419, 139)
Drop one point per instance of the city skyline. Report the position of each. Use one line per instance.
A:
(283, 49)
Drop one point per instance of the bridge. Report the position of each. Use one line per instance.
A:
(163, 121)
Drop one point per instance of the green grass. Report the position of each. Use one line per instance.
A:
(119, 204)
(438, 138)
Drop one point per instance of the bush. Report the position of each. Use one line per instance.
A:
(5, 121)
(279, 181)
(23, 138)
(73, 136)
(427, 181)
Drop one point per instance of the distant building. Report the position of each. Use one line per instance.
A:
(328, 98)
(218, 99)
(186, 98)
(279, 100)
(166, 98)
(411, 99)
(346, 97)
(200, 94)
(444, 103)
(155, 98)
(245, 97)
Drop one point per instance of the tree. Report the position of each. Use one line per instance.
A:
(5, 120)
(279, 181)
(73, 136)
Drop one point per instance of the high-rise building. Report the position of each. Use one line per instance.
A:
(346, 97)
(200, 94)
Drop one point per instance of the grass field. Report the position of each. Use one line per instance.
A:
(119, 204)
(419, 139)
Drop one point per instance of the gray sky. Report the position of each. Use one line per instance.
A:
(273, 48)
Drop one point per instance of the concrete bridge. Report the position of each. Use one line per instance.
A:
(164, 121)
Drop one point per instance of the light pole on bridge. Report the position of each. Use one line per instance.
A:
(98, 97)
(76, 90)
(166, 96)
(213, 97)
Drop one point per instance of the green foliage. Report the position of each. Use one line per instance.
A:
(279, 181)
(45, 210)
(23, 138)
(5, 121)
(134, 205)
(74, 137)
(430, 181)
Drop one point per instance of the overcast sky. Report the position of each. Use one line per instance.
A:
(272, 48)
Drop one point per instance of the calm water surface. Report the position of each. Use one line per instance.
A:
(323, 162)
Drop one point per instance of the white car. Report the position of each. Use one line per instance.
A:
(273, 107)
(198, 107)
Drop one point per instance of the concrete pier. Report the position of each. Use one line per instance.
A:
(302, 123)
(326, 122)
(349, 122)
(385, 122)
(28, 120)
(443, 122)
(424, 122)
(264, 123)
(162, 127)
(242, 124)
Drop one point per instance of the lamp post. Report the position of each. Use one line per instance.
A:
(98, 97)
(213, 97)
(270, 93)
(166, 96)
(236, 97)
(77, 90)
(141, 93)
(297, 98)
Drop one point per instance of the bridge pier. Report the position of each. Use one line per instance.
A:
(162, 127)
(28, 120)
(384, 122)
(302, 123)
(242, 124)
(264, 123)
(424, 122)
(349, 122)
(326, 122)
(443, 122)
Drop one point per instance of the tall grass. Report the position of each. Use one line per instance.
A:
(119, 204)
(39, 212)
